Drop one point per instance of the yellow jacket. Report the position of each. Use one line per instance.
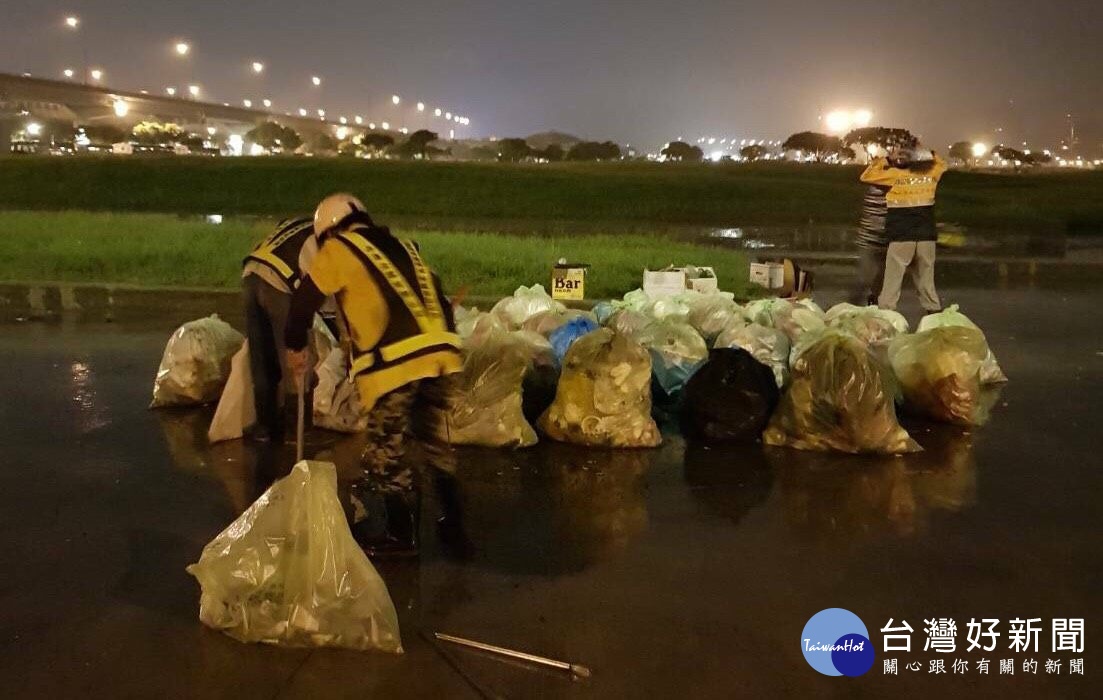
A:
(907, 188)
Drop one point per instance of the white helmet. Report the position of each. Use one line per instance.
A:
(333, 209)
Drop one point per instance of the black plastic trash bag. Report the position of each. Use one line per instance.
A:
(731, 398)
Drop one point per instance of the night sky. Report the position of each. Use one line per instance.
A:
(642, 72)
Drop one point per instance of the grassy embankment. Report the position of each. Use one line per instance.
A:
(165, 250)
(640, 195)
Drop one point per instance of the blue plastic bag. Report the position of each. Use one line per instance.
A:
(562, 338)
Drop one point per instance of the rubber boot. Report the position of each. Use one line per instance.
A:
(402, 522)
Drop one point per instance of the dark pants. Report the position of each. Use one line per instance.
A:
(871, 276)
(417, 411)
(266, 310)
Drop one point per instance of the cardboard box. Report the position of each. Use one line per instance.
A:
(569, 282)
(660, 283)
(769, 275)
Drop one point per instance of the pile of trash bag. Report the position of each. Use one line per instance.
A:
(472, 324)
(730, 398)
(628, 322)
(840, 398)
(487, 405)
(525, 303)
(798, 319)
(196, 363)
(288, 572)
(547, 321)
(676, 352)
(604, 394)
(990, 370)
(767, 345)
(939, 373)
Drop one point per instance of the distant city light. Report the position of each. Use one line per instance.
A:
(211, 131)
(96, 74)
(33, 129)
(247, 103)
(72, 22)
(193, 90)
(267, 103)
(121, 108)
(321, 114)
(421, 106)
(448, 116)
(342, 133)
(182, 48)
(358, 119)
(171, 91)
(236, 142)
(371, 125)
(436, 111)
(258, 67)
(386, 126)
(862, 117)
(395, 99)
(343, 120)
(316, 80)
(404, 130)
(838, 122)
(302, 112)
(68, 72)
(979, 149)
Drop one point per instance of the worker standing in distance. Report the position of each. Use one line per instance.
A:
(270, 273)
(400, 331)
(912, 176)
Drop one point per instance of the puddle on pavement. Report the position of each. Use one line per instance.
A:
(559, 509)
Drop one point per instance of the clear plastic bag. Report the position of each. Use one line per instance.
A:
(288, 572)
(487, 405)
(627, 322)
(676, 352)
(767, 345)
(196, 363)
(336, 403)
(765, 311)
(840, 398)
(870, 324)
(990, 370)
(712, 314)
(604, 394)
(547, 321)
(236, 408)
(939, 373)
(525, 303)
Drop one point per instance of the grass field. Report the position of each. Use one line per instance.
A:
(632, 194)
(166, 250)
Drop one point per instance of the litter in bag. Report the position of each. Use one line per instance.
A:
(799, 319)
(840, 398)
(525, 303)
(765, 311)
(336, 403)
(565, 335)
(236, 409)
(676, 352)
(939, 373)
(767, 345)
(604, 394)
(288, 572)
(487, 405)
(603, 310)
(196, 363)
(547, 321)
(873, 325)
(627, 322)
(990, 370)
(712, 314)
(731, 398)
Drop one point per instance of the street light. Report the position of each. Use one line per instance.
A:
(979, 149)
(421, 106)
(316, 80)
(121, 108)
(862, 117)
(68, 72)
(182, 48)
(171, 91)
(386, 126)
(302, 112)
(248, 103)
(436, 112)
(258, 67)
(395, 99)
(321, 114)
(193, 90)
(448, 116)
(96, 74)
(343, 120)
(838, 121)
(34, 129)
(267, 104)
(358, 119)
(72, 21)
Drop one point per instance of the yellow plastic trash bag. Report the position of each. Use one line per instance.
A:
(839, 398)
(486, 409)
(236, 409)
(939, 373)
(990, 370)
(196, 363)
(604, 394)
(288, 572)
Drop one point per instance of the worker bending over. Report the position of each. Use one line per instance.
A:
(400, 331)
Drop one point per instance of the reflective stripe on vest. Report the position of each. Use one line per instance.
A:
(428, 314)
(265, 252)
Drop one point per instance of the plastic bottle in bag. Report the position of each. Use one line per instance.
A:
(288, 572)
(604, 394)
(939, 373)
(196, 363)
(840, 398)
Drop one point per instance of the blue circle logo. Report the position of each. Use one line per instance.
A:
(835, 642)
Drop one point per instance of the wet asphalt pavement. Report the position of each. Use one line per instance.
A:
(684, 571)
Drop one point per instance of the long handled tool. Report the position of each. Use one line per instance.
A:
(576, 670)
(299, 425)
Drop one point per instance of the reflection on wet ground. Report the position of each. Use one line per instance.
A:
(689, 569)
